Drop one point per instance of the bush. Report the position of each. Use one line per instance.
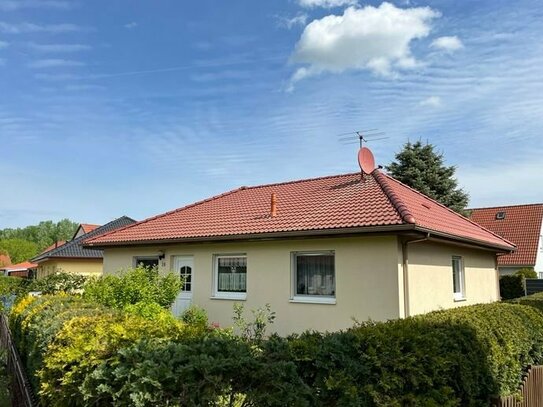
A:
(534, 300)
(527, 272)
(58, 282)
(11, 287)
(450, 358)
(140, 284)
(511, 286)
(195, 316)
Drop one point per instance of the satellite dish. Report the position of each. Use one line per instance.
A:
(366, 160)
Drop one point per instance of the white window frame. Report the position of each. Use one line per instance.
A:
(310, 298)
(225, 294)
(459, 295)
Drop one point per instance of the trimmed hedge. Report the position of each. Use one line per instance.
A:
(511, 286)
(97, 356)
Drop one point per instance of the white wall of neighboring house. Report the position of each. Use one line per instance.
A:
(539, 260)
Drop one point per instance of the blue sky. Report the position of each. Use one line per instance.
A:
(111, 108)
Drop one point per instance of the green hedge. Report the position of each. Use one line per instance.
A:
(511, 286)
(97, 356)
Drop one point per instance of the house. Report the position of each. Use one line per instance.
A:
(24, 270)
(320, 251)
(72, 257)
(521, 224)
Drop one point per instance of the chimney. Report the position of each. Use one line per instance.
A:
(273, 211)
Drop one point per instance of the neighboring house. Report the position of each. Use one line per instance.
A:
(72, 257)
(54, 246)
(84, 228)
(320, 251)
(25, 270)
(520, 224)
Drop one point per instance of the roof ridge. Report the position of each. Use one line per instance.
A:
(77, 240)
(450, 210)
(505, 206)
(89, 240)
(297, 181)
(396, 201)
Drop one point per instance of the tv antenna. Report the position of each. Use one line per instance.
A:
(363, 136)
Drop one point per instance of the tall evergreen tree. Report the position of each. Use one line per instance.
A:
(422, 168)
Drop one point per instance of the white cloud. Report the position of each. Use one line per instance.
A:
(23, 28)
(11, 5)
(326, 3)
(432, 101)
(374, 38)
(131, 25)
(289, 22)
(53, 63)
(448, 44)
(58, 48)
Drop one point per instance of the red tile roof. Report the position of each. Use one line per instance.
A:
(87, 227)
(522, 225)
(20, 266)
(343, 202)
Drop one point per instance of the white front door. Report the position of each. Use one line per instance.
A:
(183, 267)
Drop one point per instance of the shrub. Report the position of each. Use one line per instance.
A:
(195, 316)
(58, 282)
(11, 287)
(450, 358)
(151, 311)
(534, 300)
(214, 371)
(527, 272)
(140, 284)
(255, 329)
(511, 286)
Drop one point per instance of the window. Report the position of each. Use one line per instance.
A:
(500, 215)
(185, 273)
(148, 262)
(314, 277)
(458, 278)
(231, 276)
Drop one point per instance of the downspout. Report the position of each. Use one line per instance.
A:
(405, 253)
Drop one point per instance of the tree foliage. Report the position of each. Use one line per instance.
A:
(422, 168)
(24, 243)
(19, 250)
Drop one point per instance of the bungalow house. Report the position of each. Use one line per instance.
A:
(72, 257)
(521, 224)
(320, 251)
(25, 269)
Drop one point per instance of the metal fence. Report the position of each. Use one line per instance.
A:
(533, 285)
(531, 391)
(20, 389)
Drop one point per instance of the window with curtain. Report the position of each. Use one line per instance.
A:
(458, 278)
(231, 274)
(314, 274)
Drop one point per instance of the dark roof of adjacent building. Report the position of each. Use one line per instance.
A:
(346, 203)
(75, 249)
(520, 224)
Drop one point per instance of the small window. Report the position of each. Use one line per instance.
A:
(314, 276)
(185, 273)
(148, 262)
(500, 215)
(231, 276)
(458, 278)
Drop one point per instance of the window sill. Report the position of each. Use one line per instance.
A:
(316, 300)
(460, 299)
(231, 296)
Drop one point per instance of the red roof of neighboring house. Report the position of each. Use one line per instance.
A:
(20, 266)
(521, 225)
(4, 260)
(54, 246)
(87, 227)
(343, 202)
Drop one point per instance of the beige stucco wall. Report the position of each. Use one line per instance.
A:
(85, 267)
(430, 277)
(367, 279)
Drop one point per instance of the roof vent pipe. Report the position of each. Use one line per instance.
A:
(273, 211)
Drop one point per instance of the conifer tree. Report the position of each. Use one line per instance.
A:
(422, 168)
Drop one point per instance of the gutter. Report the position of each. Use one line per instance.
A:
(405, 267)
